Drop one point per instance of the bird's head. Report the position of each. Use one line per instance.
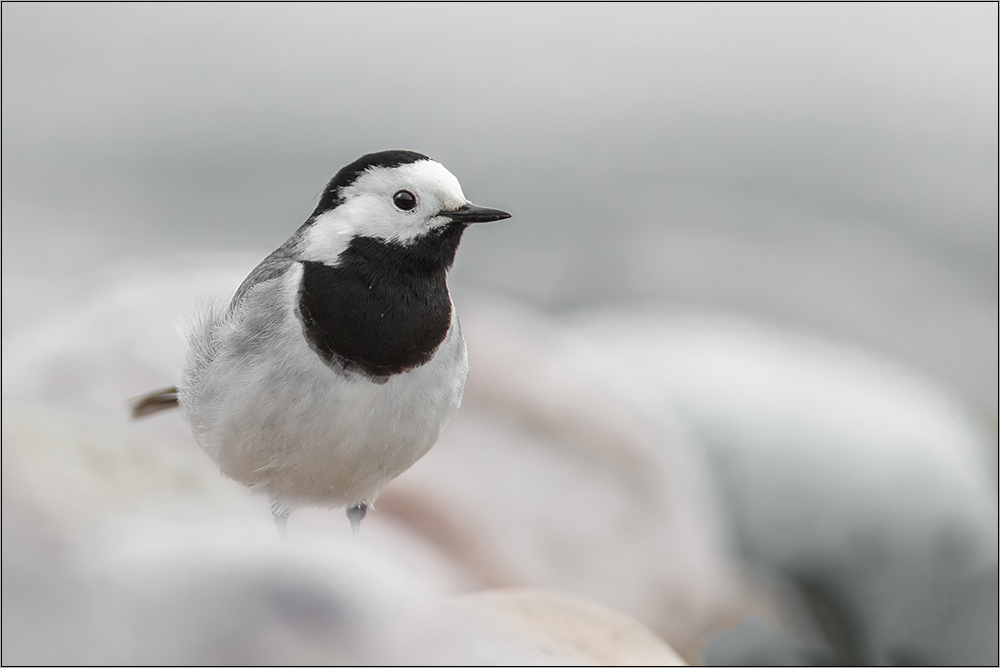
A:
(395, 196)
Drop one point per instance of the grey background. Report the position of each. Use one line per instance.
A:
(832, 167)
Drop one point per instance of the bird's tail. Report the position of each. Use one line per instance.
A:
(154, 402)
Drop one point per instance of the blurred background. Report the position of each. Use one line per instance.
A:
(795, 202)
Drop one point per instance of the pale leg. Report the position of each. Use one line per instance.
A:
(281, 519)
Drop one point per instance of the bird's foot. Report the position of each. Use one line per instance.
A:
(281, 519)
(356, 514)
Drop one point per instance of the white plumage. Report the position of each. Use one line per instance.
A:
(286, 424)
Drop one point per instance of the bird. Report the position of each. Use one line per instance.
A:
(340, 359)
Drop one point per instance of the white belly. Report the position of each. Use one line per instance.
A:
(275, 417)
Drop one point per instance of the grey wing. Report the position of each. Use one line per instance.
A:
(200, 332)
(273, 266)
(249, 329)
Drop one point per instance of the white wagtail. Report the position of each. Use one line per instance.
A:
(340, 359)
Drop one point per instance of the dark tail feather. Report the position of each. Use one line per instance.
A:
(154, 402)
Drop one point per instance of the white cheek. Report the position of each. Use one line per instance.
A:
(331, 233)
(382, 220)
(326, 238)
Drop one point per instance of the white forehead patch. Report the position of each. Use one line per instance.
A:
(368, 210)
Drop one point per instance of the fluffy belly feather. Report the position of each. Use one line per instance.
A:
(288, 425)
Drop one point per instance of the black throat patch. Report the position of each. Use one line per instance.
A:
(384, 309)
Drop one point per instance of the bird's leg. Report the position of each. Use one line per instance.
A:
(280, 514)
(356, 514)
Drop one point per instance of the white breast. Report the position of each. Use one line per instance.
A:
(274, 416)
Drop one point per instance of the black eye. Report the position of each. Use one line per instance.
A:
(404, 200)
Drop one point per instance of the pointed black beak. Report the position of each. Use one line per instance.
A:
(470, 213)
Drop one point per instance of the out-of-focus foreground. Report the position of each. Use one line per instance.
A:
(597, 457)
(733, 362)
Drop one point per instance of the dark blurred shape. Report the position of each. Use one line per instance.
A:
(755, 643)
(837, 618)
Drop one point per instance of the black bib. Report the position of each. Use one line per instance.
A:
(384, 308)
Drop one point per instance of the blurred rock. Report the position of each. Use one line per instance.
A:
(115, 550)
(562, 629)
(755, 643)
(66, 475)
(119, 340)
(222, 593)
(862, 484)
(215, 591)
